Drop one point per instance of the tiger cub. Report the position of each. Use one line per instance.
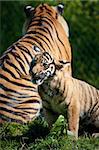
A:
(77, 97)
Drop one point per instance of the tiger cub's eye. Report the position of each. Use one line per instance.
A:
(45, 65)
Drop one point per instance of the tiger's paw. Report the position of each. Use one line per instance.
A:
(70, 133)
(95, 135)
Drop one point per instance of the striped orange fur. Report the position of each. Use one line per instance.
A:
(62, 93)
(46, 31)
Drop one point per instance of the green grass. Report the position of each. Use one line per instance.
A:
(36, 136)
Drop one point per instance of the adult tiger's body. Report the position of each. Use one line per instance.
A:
(19, 98)
(48, 30)
(67, 94)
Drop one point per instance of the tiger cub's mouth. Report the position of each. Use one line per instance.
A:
(39, 78)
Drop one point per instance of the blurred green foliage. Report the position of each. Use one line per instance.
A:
(36, 136)
(83, 20)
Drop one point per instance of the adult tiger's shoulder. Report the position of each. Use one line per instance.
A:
(49, 29)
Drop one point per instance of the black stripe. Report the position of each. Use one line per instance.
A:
(12, 112)
(13, 99)
(13, 65)
(32, 101)
(37, 32)
(7, 110)
(48, 32)
(21, 114)
(32, 32)
(21, 65)
(49, 13)
(9, 71)
(23, 48)
(84, 95)
(49, 10)
(39, 39)
(47, 21)
(15, 54)
(26, 79)
(28, 109)
(61, 43)
(36, 40)
(23, 96)
(2, 58)
(43, 30)
(36, 24)
(9, 90)
(30, 89)
(16, 83)
(43, 20)
(3, 101)
(96, 114)
(66, 89)
(90, 93)
(48, 57)
(18, 58)
(7, 97)
(52, 30)
(25, 58)
(91, 111)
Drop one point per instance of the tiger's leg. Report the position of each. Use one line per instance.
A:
(73, 118)
(50, 117)
(95, 120)
(96, 134)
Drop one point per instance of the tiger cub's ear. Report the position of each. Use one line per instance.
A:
(58, 65)
(61, 64)
(60, 9)
(28, 10)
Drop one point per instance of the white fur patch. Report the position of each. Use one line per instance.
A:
(60, 5)
(70, 133)
(36, 48)
(28, 7)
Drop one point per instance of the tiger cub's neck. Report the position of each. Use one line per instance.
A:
(62, 81)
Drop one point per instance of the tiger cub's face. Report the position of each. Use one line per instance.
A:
(42, 67)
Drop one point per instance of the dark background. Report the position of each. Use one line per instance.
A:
(83, 20)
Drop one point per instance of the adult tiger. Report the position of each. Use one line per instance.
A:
(46, 31)
(77, 97)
